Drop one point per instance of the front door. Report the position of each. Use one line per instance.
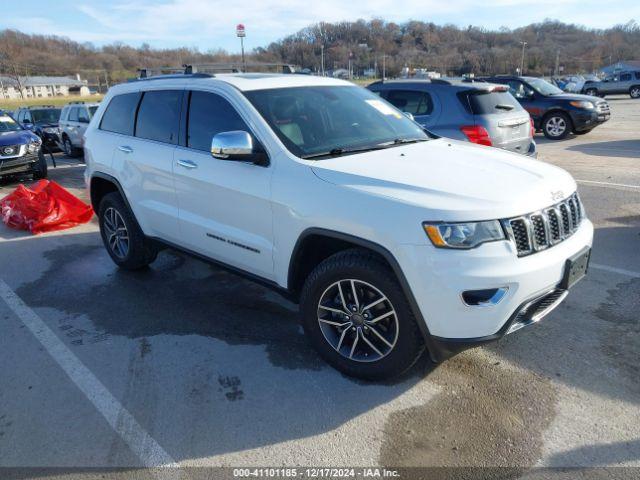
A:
(224, 205)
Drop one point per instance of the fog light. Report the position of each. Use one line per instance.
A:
(485, 297)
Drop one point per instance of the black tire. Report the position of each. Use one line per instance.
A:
(366, 270)
(634, 92)
(139, 251)
(69, 149)
(556, 125)
(40, 167)
(591, 91)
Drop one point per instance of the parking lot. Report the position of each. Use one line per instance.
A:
(186, 364)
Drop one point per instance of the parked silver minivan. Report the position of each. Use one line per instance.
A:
(482, 113)
(74, 119)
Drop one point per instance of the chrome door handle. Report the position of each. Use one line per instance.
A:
(125, 149)
(187, 164)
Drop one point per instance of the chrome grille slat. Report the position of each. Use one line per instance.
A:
(542, 229)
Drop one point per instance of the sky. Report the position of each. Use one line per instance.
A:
(210, 24)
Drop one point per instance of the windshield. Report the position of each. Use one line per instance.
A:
(92, 111)
(323, 120)
(8, 124)
(49, 115)
(543, 87)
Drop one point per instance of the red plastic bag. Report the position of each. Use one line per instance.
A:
(43, 208)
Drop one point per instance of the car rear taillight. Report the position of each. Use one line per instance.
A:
(477, 134)
(533, 128)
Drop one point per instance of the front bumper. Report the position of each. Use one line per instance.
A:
(16, 165)
(437, 278)
(50, 141)
(584, 120)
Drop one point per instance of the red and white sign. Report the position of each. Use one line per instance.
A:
(240, 30)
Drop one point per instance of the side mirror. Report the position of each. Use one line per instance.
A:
(27, 124)
(409, 115)
(238, 145)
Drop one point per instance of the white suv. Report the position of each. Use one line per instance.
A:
(391, 241)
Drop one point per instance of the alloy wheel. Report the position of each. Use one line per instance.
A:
(358, 320)
(116, 232)
(556, 126)
(67, 147)
(635, 92)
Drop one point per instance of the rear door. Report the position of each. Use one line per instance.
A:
(626, 80)
(83, 123)
(418, 103)
(507, 123)
(225, 206)
(72, 126)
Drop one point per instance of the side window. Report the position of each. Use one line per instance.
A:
(625, 77)
(159, 116)
(416, 103)
(120, 114)
(210, 114)
(83, 115)
(20, 116)
(637, 75)
(73, 114)
(517, 88)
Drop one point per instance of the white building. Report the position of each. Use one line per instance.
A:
(40, 87)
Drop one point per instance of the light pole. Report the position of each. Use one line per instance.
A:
(524, 44)
(322, 58)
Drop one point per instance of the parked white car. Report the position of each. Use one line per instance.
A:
(391, 241)
(74, 120)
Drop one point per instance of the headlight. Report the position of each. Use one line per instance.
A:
(463, 235)
(34, 146)
(50, 130)
(582, 104)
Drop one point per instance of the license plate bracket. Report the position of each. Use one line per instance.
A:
(575, 268)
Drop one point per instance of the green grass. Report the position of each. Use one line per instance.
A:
(57, 101)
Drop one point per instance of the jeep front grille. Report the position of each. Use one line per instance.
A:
(540, 230)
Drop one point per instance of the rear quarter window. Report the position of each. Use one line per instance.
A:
(485, 103)
(120, 114)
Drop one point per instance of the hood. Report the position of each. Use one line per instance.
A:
(455, 181)
(573, 97)
(46, 124)
(20, 137)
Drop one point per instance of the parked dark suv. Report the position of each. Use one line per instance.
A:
(553, 111)
(20, 150)
(43, 120)
(475, 112)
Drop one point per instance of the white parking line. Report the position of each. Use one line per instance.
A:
(608, 184)
(123, 423)
(621, 271)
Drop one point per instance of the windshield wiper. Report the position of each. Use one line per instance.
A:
(336, 152)
(504, 106)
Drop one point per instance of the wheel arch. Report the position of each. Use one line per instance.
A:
(100, 185)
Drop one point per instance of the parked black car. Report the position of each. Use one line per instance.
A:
(553, 111)
(20, 150)
(43, 120)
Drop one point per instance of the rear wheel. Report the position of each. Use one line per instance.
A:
(127, 246)
(357, 317)
(40, 167)
(634, 91)
(69, 149)
(556, 126)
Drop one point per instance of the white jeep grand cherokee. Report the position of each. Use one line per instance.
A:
(391, 241)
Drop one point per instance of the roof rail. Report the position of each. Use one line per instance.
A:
(39, 106)
(77, 102)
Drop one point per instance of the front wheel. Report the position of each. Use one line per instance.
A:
(592, 91)
(634, 92)
(357, 317)
(556, 126)
(40, 167)
(123, 238)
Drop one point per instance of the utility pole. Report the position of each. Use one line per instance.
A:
(555, 71)
(384, 67)
(322, 58)
(524, 44)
